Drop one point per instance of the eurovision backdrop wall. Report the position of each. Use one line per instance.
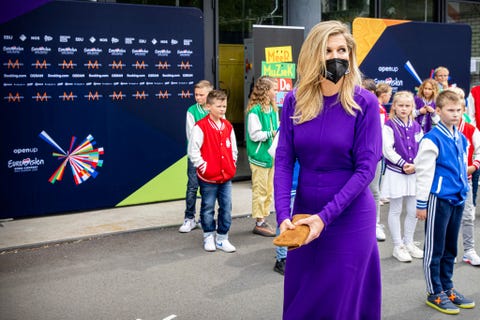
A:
(93, 103)
(404, 53)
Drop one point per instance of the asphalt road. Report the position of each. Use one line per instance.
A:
(162, 274)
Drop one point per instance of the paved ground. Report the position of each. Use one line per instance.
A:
(83, 225)
(158, 273)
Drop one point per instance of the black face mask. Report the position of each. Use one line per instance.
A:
(336, 69)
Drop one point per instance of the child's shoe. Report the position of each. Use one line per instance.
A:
(459, 300)
(441, 303)
(223, 244)
(280, 266)
(471, 257)
(264, 230)
(187, 226)
(209, 243)
(226, 246)
(380, 233)
(414, 251)
(401, 254)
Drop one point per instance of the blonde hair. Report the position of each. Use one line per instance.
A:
(447, 96)
(312, 68)
(434, 85)
(382, 87)
(402, 95)
(203, 84)
(260, 94)
(460, 93)
(438, 69)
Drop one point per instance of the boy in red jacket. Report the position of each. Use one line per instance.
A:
(213, 151)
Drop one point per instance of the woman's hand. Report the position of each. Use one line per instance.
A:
(316, 226)
(286, 225)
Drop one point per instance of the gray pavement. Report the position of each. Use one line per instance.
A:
(131, 263)
(73, 226)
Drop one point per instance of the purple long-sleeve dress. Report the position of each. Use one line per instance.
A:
(336, 276)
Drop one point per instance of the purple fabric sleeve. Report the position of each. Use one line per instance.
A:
(284, 161)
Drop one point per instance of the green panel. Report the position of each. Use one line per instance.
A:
(168, 185)
(279, 70)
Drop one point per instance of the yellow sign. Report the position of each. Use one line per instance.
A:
(278, 54)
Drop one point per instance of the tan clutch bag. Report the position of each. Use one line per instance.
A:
(293, 238)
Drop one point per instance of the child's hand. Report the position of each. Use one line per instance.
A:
(422, 214)
(409, 168)
(429, 109)
(471, 169)
(203, 167)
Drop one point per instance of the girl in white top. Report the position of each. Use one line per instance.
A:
(401, 136)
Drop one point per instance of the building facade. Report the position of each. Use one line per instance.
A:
(228, 23)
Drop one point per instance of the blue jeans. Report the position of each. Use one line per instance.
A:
(212, 192)
(475, 177)
(280, 252)
(192, 189)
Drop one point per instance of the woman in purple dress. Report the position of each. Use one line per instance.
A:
(332, 126)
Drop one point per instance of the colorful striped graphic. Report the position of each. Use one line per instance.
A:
(83, 159)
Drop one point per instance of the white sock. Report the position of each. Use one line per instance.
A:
(221, 237)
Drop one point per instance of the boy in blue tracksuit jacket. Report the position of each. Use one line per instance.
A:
(441, 190)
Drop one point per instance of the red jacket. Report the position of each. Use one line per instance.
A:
(476, 98)
(216, 151)
(468, 131)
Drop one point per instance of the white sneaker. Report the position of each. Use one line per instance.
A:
(401, 254)
(226, 246)
(414, 251)
(209, 243)
(380, 233)
(187, 226)
(471, 257)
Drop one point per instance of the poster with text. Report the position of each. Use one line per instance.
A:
(276, 50)
(93, 103)
(404, 53)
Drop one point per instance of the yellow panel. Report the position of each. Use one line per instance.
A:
(366, 32)
(231, 78)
